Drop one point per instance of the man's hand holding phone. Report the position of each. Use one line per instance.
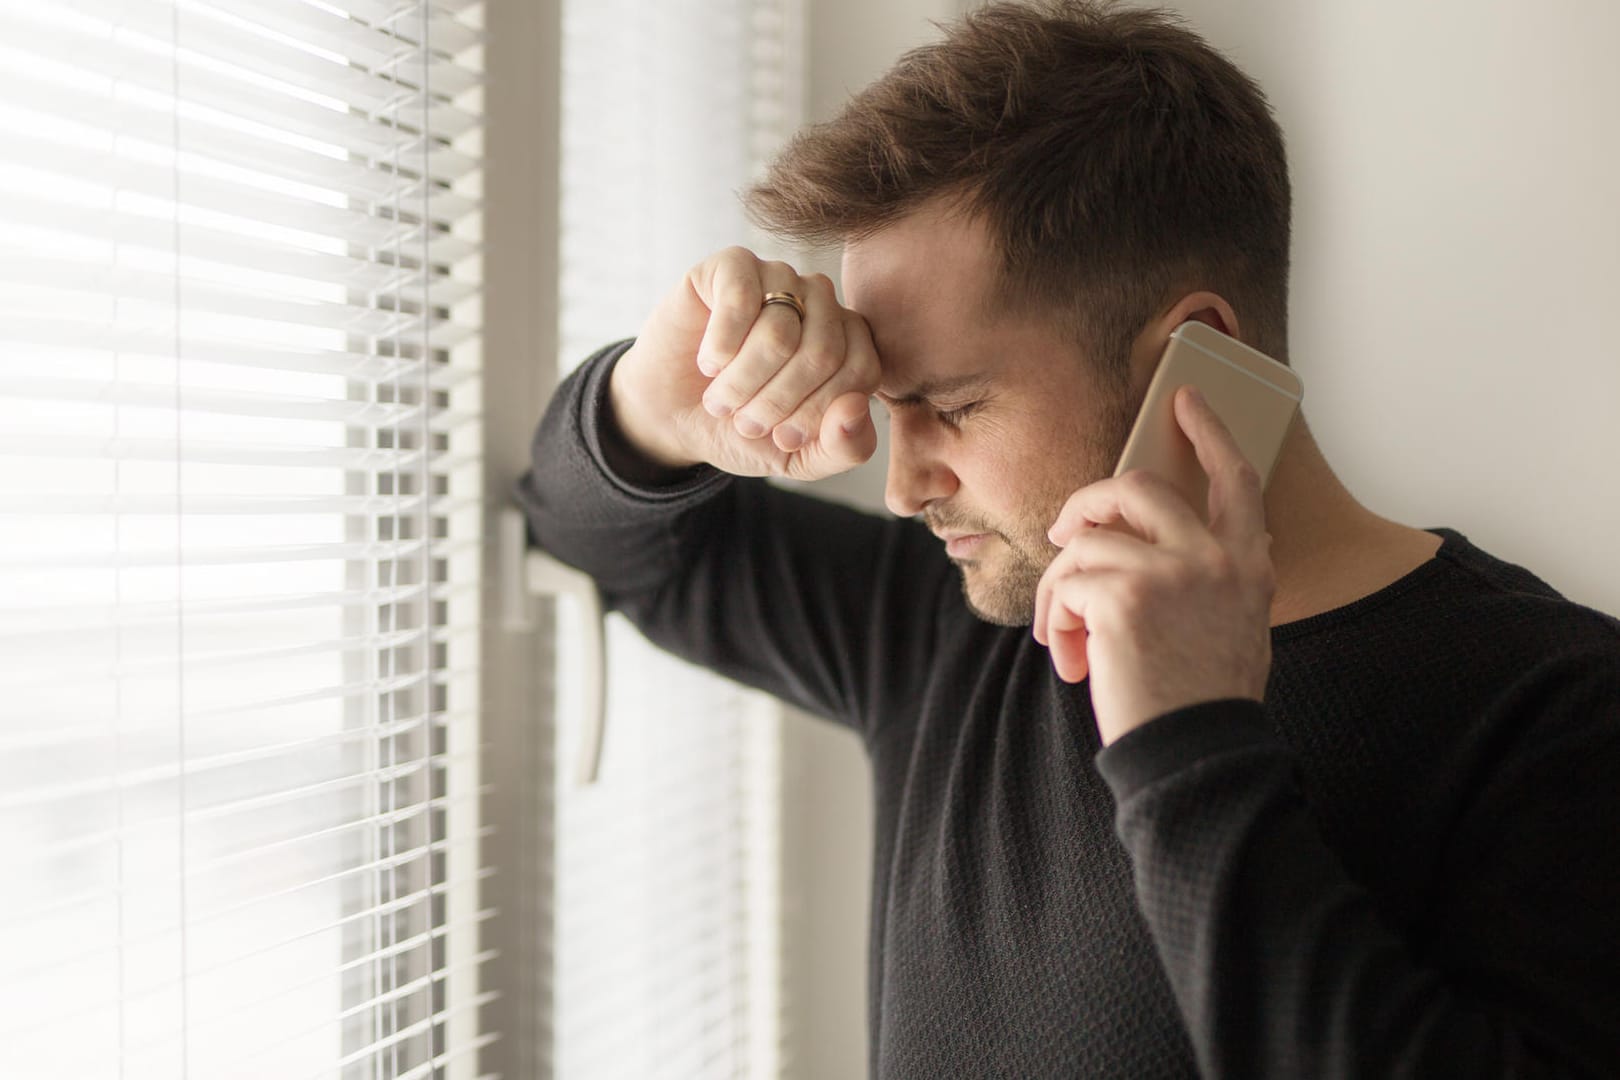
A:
(1160, 609)
(719, 376)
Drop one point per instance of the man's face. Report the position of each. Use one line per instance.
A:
(995, 420)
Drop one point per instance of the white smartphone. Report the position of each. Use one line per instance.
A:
(1254, 395)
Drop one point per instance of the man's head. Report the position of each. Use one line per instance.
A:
(1032, 200)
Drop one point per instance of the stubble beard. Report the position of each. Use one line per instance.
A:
(1005, 594)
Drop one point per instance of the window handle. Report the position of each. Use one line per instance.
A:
(525, 573)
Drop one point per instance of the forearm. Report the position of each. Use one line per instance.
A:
(594, 502)
(1279, 961)
(816, 603)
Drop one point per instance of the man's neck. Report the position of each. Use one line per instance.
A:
(1328, 549)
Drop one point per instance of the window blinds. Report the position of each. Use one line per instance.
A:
(239, 522)
(667, 888)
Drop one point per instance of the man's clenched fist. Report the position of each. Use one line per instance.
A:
(718, 377)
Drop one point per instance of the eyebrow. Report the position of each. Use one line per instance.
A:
(930, 389)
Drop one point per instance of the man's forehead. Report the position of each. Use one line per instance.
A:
(927, 318)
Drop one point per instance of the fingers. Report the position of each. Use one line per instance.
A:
(1236, 500)
(846, 438)
(1066, 629)
(802, 382)
(858, 372)
(729, 284)
(773, 338)
(773, 372)
(1090, 551)
(817, 371)
(1139, 499)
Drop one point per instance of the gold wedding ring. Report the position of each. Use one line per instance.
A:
(787, 298)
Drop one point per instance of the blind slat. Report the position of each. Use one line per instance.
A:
(252, 1022)
(381, 12)
(362, 42)
(369, 414)
(86, 618)
(381, 908)
(79, 165)
(199, 912)
(196, 766)
(46, 1028)
(234, 556)
(414, 1030)
(303, 832)
(275, 801)
(218, 98)
(200, 452)
(200, 348)
(432, 1067)
(18, 1025)
(35, 504)
(246, 53)
(446, 33)
(151, 122)
(199, 660)
(351, 271)
(89, 287)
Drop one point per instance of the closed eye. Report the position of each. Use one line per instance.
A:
(954, 417)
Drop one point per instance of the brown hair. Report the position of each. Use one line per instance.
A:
(1115, 156)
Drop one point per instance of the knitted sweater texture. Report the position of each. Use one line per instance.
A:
(1405, 863)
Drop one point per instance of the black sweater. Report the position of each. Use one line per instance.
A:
(1406, 863)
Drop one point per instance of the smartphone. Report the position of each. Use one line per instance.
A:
(1253, 394)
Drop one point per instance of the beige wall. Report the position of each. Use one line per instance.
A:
(1457, 259)
(1456, 269)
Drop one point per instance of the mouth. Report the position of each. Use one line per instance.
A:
(962, 545)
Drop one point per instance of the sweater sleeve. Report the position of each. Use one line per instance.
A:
(1279, 962)
(821, 605)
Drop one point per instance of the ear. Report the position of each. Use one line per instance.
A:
(1203, 306)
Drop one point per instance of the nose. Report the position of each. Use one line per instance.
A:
(917, 474)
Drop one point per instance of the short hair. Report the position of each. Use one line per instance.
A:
(1116, 157)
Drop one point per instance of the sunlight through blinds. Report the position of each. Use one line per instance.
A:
(667, 868)
(239, 532)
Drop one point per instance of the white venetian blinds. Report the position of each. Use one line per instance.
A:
(667, 886)
(238, 538)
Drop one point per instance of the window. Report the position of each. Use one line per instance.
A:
(239, 531)
(668, 902)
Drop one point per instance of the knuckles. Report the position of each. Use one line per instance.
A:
(1245, 477)
(1132, 596)
(821, 363)
(776, 340)
(820, 283)
(739, 297)
(741, 263)
(1141, 484)
(1221, 566)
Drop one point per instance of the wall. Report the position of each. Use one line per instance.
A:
(1456, 259)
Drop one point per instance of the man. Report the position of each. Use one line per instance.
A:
(1111, 841)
